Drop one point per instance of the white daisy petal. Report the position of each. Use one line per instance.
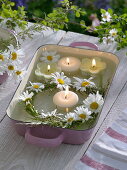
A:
(3, 61)
(48, 114)
(108, 40)
(16, 54)
(37, 87)
(81, 84)
(50, 57)
(60, 80)
(26, 96)
(19, 74)
(94, 102)
(11, 68)
(70, 117)
(82, 113)
(113, 32)
(106, 17)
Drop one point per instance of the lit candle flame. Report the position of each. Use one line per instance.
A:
(66, 91)
(67, 110)
(68, 61)
(93, 63)
(48, 68)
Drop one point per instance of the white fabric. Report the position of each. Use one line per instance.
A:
(107, 150)
(113, 147)
(106, 159)
(81, 166)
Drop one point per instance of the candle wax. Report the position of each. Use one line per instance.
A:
(86, 66)
(69, 64)
(44, 71)
(70, 100)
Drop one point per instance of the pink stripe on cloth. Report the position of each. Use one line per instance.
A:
(114, 134)
(94, 164)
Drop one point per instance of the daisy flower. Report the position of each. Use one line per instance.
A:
(16, 55)
(11, 68)
(81, 84)
(106, 17)
(82, 113)
(108, 40)
(94, 102)
(48, 114)
(3, 56)
(50, 57)
(26, 96)
(60, 80)
(37, 87)
(70, 117)
(3, 61)
(113, 32)
(18, 75)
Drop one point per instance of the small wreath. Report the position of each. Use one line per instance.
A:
(85, 113)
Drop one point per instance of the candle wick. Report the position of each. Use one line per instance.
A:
(65, 96)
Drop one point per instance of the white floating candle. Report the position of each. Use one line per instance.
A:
(65, 99)
(69, 64)
(44, 71)
(93, 66)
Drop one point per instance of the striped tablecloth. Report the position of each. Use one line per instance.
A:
(109, 152)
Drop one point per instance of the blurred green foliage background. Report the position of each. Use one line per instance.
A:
(40, 8)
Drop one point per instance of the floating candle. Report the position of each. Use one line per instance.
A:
(65, 99)
(69, 64)
(93, 66)
(44, 71)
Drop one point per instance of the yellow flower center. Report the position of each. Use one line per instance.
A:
(94, 105)
(49, 58)
(36, 86)
(114, 34)
(27, 99)
(1, 57)
(18, 73)
(60, 81)
(82, 116)
(70, 119)
(14, 55)
(11, 67)
(85, 83)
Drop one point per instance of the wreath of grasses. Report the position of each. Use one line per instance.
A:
(54, 118)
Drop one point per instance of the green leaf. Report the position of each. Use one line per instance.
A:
(82, 23)
(110, 11)
(103, 11)
(77, 14)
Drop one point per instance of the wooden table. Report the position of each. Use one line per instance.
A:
(16, 154)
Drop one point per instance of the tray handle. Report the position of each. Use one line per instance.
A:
(43, 142)
(86, 44)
